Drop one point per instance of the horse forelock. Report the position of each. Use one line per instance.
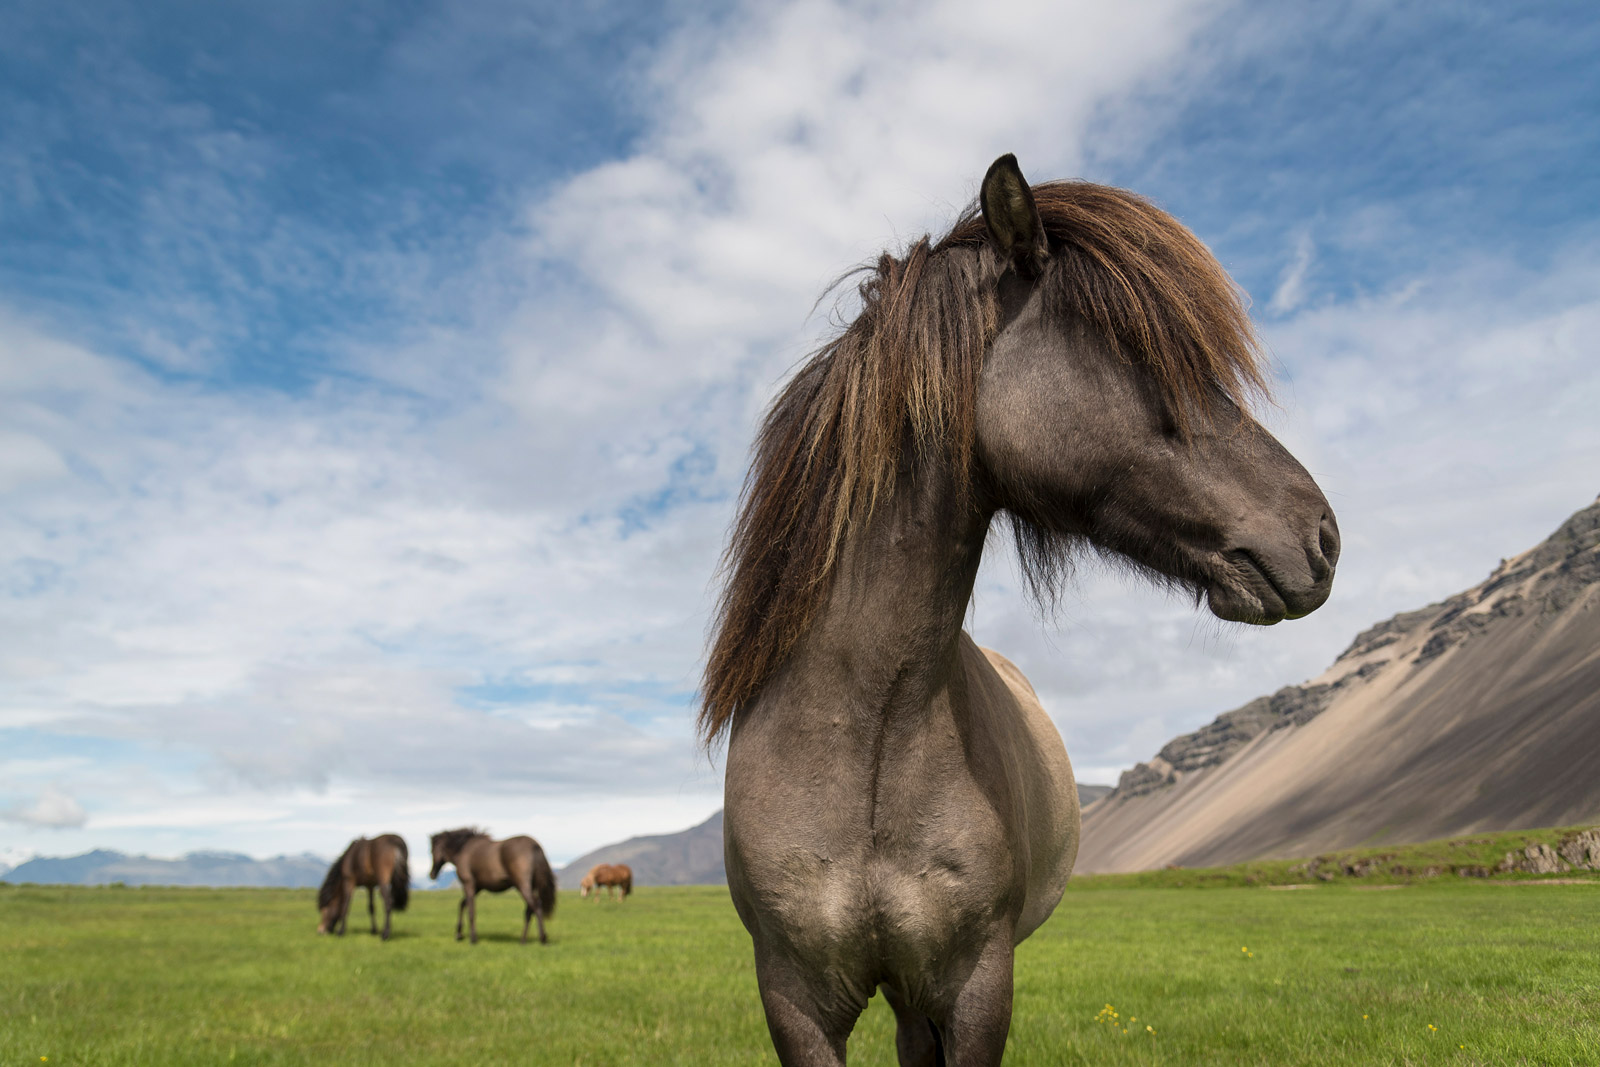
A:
(906, 369)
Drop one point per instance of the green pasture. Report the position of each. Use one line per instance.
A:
(1451, 971)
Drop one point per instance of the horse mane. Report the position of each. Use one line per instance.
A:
(455, 840)
(330, 884)
(904, 373)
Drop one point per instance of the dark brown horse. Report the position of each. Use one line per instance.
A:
(608, 876)
(379, 862)
(900, 811)
(485, 864)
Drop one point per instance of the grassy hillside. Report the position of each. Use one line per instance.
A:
(1474, 857)
(1453, 971)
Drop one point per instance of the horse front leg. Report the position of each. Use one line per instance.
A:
(344, 908)
(978, 1018)
(916, 1039)
(372, 915)
(472, 914)
(388, 907)
(460, 911)
(809, 1027)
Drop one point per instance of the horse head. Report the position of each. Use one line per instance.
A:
(1144, 447)
(447, 844)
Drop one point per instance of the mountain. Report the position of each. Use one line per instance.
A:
(1478, 713)
(102, 867)
(1088, 794)
(689, 857)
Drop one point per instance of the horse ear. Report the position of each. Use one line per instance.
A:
(1013, 218)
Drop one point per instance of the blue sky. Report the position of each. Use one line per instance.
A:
(375, 385)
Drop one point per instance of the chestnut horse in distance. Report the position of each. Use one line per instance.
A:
(380, 863)
(485, 864)
(610, 876)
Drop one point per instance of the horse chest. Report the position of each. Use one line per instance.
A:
(868, 882)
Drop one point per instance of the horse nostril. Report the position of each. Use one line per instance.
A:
(1328, 540)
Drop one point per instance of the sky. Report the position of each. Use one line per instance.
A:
(377, 381)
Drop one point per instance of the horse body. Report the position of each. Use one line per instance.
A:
(900, 812)
(483, 864)
(910, 866)
(380, 863)
(608, 876)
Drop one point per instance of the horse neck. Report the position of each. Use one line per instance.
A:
(888, 634)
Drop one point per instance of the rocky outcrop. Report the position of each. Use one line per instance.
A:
(1582, 850)
(1535, 859)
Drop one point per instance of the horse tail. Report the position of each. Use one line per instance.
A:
(400, 877)
(544, 881)
(331, 884)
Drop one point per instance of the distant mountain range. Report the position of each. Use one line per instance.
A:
(102, 867)
(1475, 714)
(692, 856)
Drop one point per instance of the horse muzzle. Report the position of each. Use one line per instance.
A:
(1266, 583)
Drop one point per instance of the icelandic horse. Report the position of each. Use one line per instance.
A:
(899, 810)
(609, 876)
(379, 862)
(485, 864)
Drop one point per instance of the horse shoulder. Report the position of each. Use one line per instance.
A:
(1046, 791)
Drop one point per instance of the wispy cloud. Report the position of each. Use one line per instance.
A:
(1291, 292)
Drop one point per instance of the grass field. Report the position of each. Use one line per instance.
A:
(1453, 971)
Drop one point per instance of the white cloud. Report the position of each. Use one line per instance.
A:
(288, 596)
(53, 809)
(298, 589)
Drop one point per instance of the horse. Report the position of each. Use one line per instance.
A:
(485, 864)
(900, 811)
(611, 876)
(380, 862)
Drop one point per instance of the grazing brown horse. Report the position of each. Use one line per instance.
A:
(610, 876)
(900, 811)
(485, 864)
(380, 863)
